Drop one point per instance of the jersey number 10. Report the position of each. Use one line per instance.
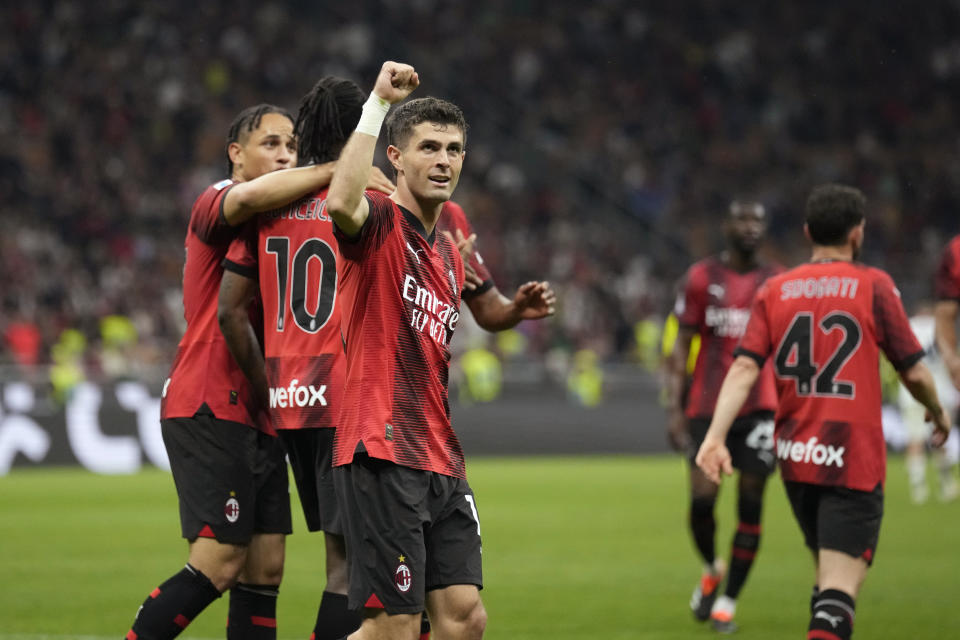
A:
(298, 268)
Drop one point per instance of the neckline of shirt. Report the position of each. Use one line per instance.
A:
(417, 225)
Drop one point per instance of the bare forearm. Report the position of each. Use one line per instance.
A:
(274, 190)
(493, 311)
(919, 382)
(245, 349)
(736, 387)
(347, 186)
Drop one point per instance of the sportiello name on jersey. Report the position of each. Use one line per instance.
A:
(297, 395)
(434, 317)
(822, 287)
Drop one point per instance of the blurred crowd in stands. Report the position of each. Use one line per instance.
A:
(607, 137)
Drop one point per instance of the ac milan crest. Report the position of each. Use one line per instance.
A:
(403, 578)
(232, 510)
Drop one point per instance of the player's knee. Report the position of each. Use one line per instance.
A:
(271, 572)
(224, 576)
(221, 563)
(476, 621)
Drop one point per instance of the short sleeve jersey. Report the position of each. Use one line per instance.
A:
(400, 295)
(292, 254)
(823, 325)
(204, 376)
(946, 281)
(716, 304)
(452, 219)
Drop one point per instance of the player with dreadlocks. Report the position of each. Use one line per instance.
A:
(227, 463)
(289, 258)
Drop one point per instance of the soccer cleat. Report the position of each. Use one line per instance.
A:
(722, 622)
(701, 602)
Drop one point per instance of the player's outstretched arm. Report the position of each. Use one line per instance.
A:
(713, 457)
(345, 201)
(273, 190)
(945, 316)
(495, 312)
(919, 382)
(236, 294)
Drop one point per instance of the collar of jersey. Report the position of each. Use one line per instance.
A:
(418, 226)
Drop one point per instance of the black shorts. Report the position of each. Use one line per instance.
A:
(310, 452)
(231, 479)
(750, 442)
(838, 518)
(408, 531)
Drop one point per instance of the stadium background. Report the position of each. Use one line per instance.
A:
(606, 140)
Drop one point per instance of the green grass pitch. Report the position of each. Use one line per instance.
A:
(584, 547)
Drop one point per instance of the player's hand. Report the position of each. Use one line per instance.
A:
(941, 427)
(465, 247)
(396, 81)
(678, 431)
(714, 459)
(535, 300)
(380, 182)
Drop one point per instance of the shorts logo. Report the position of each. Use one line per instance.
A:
(402, 577)
(232, 510)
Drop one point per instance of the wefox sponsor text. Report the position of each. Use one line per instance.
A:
(810, 451)
(296, 395)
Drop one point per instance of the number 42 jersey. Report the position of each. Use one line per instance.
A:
(824, 325)
(293, 255)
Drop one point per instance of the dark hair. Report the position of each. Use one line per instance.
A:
(832, 211)
(245, 122)
(328, 114)
(408, 115)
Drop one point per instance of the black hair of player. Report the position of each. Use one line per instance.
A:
(248, 120)
(328, 114)
(832, 211)
(401, 122)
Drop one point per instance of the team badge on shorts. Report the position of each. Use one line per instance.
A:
(402, 576)
(231, 509)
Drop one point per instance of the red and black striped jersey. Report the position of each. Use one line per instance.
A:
(204, 374)
(716, 303)
(823, 325)
(400, 295)
(946, 281)
(292, 254)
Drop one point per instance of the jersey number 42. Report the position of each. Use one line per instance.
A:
(794, 357)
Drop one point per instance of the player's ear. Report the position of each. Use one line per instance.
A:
(235, 152)
(856, 234)
(806, 232)
(393, 155)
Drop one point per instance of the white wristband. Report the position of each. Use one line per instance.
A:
(374, 111)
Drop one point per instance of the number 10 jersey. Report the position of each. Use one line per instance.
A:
(824, 325)
(293, 255)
